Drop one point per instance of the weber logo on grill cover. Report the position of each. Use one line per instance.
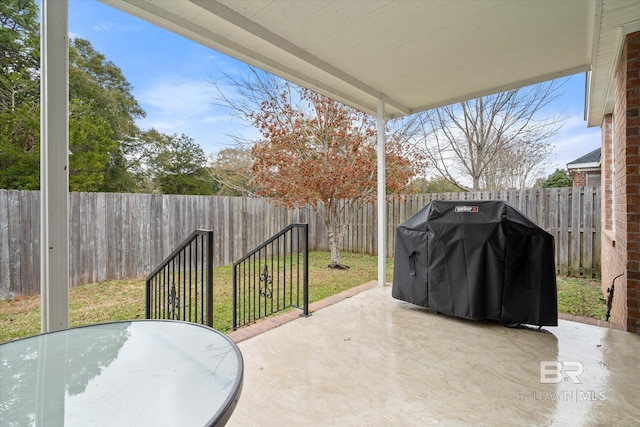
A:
(466, 209)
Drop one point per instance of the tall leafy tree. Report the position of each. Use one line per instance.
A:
(19, 53)
(99, 84)
(559, 178)
(179, 167)
(137, 156)
(104, 141)
(19, 147)
(102, 122)
(91, 145)
(19, 95)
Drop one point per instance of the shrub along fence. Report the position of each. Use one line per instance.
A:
(117, 236)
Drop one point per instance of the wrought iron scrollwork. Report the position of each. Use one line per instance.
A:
(174, 303)
(266, 283)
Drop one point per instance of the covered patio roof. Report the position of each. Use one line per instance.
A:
(416, 55)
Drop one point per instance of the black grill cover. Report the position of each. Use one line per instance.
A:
(477, 260)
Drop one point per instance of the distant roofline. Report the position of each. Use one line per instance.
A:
(589, 160)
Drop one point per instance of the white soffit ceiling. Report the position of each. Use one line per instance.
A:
(416, 55)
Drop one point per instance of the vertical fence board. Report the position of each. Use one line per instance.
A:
(541, 209)
(597, 224)
(100, 228)
(5, 254)
(75, 235)
(553, 221)
(576, 233)
(587, 220)
(15, 253)
(565, 218)
(27, 278)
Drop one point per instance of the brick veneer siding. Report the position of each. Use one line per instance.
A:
(584, 178)
(607, 178)
(579, 179)
(621, 243)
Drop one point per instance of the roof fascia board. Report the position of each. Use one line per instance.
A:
(623, 31)
(607, 105)
(584, 166)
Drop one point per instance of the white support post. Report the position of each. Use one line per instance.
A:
(382, 198)
(54, 161)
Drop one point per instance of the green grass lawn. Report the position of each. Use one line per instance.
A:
(581, 297)
(124, 299)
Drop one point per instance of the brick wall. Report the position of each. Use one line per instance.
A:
(611, 261)
(586, 178)
(579, 179)
(621, 242)
(607, 177)
(631, 57)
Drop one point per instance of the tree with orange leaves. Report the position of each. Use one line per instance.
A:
(318, 152)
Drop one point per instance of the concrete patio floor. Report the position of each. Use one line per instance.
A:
(370, 360)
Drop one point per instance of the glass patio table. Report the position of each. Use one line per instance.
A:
(136, 373)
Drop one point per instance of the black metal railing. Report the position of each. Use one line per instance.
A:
(273, 277)
(181, 288)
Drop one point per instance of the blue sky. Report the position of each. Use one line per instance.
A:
(172, 80)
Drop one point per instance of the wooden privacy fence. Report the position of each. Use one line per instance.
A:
(117, 236)
(571, 215)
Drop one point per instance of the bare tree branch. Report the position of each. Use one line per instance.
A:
(497, 141)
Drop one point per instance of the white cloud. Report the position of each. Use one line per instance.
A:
(164, 126)
(181, 97)
(216, 118)
(110, 26)
(175, 105)
(106, 26)
(574, 122)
